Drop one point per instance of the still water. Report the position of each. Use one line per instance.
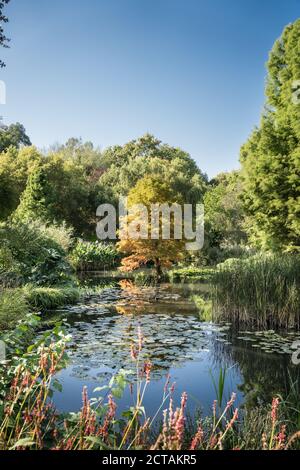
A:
(177, 342)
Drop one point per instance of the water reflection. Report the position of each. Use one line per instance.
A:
(176, 342)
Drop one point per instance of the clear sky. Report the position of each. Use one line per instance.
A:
(191, 72)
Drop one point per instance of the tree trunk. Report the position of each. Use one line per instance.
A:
(158, 270)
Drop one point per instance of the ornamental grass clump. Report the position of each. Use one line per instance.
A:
(13, 307)
(262, 291)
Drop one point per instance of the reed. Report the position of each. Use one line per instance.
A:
(13, 307)
(262, 291)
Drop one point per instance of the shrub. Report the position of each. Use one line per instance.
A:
(10, 272)
(93, 256)
(50, 297)
(191, 274)
(39, 258)
(228, 263)
(263, 291)
(13, 307)
(59, 233)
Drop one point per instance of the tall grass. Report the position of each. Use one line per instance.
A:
(29, 254)
(13, 307)
(50, 297)
(262, 291)
(219, 385)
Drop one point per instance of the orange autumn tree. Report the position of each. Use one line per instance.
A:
(149, 243)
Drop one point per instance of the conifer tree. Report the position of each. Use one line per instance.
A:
(271, 157)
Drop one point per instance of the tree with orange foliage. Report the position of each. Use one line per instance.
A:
(145, 236)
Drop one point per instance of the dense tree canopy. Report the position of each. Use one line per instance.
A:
(147, 155)
(83, 153)
(15, 168)
(224, 216)
(271, 157)
(58, 191)
(13, 135)
(71, 180)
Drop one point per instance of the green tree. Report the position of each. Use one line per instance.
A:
(58, 191)
(82, 153)
(125, 165)
(271, 157)
(72, 197)
(13, 135)
(15, 167)
(9, 192)
(37, 199)
(224, 215)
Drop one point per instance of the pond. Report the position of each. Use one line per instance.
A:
(177, 342)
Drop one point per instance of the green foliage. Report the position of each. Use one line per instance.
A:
(225, 232)
(39, 258)
(9, 191)
(224, 216)
(54, 188)
(262, 291)
(10, 269)
(69, 182)
(126, 165)
(93, 256)
(15, 168)
(82, 153)
(211, 255)
(48, 298)
(191, 274)
(32, 368)
(35, 201)
(13, 135)
(13, 307)
(59, 233)
(204, 307)
(271, 157)
(219, 385)
(57, 191)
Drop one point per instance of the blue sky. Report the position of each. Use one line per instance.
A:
(191, 72)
